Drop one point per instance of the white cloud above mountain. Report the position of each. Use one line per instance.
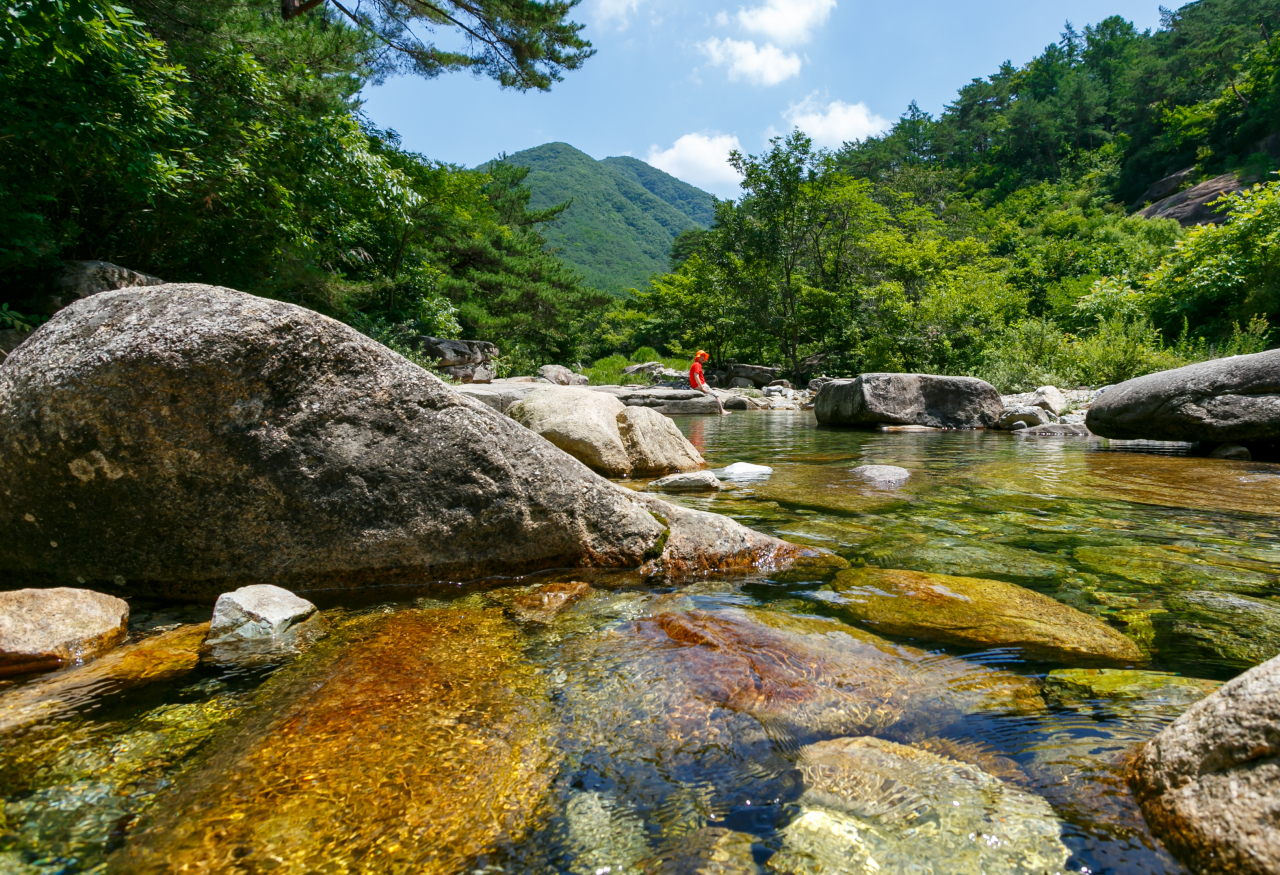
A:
(701, 160)
(786, 22)
(759, 65)
(835, 123)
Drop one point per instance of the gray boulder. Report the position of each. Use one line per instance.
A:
(44, 628)
(696, 481)
(1051, 399)
(582, 423)
(562, 376)
(1232, 400)
(257, 612)
(1192, 207)
(646, 368)
(758, 376)
(1163, 188)
(1209, 784)
(455, 353)
(908, 399)
(184, 440)
(655, 444)
(1024, 415)
(80, 279)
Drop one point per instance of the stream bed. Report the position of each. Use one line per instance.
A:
(739, 724)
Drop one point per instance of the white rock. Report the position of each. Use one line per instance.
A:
(1051, 399)
(696, 481)
(882, 475)
(254, 612)
(746, 471)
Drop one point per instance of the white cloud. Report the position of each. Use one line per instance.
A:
(763, 65)
(835, 123)
(607, 12)
(701, 160)
(786, 22)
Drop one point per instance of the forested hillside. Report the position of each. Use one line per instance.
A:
(624, 216)
(999, 238)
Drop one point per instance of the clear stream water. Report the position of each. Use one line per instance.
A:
(635, 731)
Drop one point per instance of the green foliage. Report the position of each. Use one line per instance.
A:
(624, 214)
(16, 321)
(607, 371)
(1224, 274)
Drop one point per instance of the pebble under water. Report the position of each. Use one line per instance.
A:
(739, 724)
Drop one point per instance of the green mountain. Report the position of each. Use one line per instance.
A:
(624, 215)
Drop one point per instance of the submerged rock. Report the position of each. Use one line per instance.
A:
(712, 850)
(1209, 784)
(44, 628)
(543, 603)
(158, 658)
(1066, 685)
(977, 613)
(412, 742)
(1178, 566)
(185, 439)
(1232, 400)
(697, 481)
(884, 476)
(1222, 627)
(909, 399)
(872, 806)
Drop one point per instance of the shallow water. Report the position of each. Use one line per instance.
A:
(650, 729)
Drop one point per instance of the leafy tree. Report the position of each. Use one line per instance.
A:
(522, 44)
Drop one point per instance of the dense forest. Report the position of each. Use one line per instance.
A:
(222, 142)
(997, 239)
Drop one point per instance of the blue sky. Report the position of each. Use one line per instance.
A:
(678, 84)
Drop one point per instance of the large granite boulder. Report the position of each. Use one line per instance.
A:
(1232, 400)
(908, 399)
(974, 612)
(45, 628)
(1192, 207)
(582, 423)
(607, 436)
(655, 445)
(187, 439)
(1209, 784)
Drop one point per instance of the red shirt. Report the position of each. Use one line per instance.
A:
(695, 375)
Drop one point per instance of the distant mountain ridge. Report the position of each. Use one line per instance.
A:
(625, 213)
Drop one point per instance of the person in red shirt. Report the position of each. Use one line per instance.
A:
(697, 381)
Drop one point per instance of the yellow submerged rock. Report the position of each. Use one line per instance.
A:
(408, 743)
(973, 612)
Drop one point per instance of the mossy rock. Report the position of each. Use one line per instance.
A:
(973, 612)
(1229, 630)
(1069, 685)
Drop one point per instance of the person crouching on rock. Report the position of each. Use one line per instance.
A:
(697, 381)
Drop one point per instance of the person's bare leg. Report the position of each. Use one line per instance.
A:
(706, 390)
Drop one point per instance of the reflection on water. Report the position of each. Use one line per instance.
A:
(740, 724)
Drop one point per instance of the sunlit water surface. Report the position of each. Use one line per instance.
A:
(652, 729)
